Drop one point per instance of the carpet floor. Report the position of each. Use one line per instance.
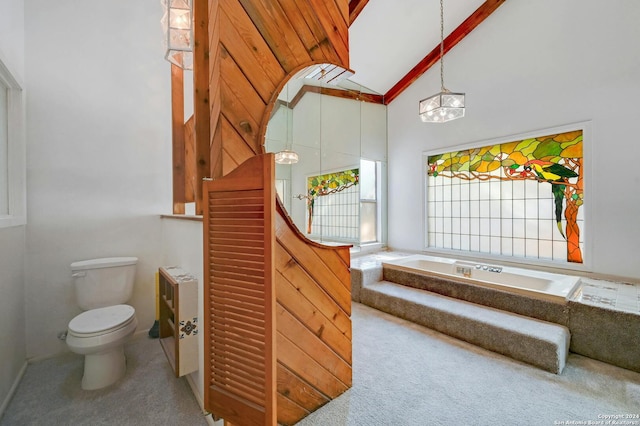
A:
(403, 374)
(149, 394)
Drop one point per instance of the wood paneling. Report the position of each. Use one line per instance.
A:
(254, 46)
(277, 319)
(178, 130)
(201, 103)
(313, 321)
(190, 161)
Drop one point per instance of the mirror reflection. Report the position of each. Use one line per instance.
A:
(331, 142)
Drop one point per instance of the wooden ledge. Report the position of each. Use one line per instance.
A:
(195, 218)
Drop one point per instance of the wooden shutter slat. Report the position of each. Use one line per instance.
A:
(239, 300)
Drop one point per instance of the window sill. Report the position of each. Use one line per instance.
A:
(194, 218)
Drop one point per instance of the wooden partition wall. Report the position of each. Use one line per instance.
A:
(278, 328)
(245, 51)
(239, 296)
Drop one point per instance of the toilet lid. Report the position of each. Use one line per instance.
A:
(101, 319)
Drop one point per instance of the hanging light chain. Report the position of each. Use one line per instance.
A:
(442, 47)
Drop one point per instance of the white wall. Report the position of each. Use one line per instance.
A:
(12, 240)
(12, 309)
(12, 35)
(99, 164)
(534, 65)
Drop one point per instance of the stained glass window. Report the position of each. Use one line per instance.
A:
(519, 199)
(333, 205)
(344, 206)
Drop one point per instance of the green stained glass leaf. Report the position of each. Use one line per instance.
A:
(560, 170)
(331, 182)
(527, 146)
(548, 148)
(488, 157)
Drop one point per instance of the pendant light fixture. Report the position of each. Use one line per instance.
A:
(177, 25)
(444, 106)
(287, 156)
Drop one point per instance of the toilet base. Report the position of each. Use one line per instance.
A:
(103, 369)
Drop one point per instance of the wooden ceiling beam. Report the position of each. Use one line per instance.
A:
(355, 7)
(457, 35)
(338, 93)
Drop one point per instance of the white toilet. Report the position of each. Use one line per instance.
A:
(102, 286)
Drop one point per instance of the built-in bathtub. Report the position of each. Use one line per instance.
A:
(597, 332)
(536, 284)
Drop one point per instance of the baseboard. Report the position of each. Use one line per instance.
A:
(196, 393)
(12, 391)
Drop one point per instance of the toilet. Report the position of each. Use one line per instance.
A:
(102, 288)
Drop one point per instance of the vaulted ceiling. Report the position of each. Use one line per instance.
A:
(392, 43)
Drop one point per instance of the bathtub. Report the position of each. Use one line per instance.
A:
(537, 284)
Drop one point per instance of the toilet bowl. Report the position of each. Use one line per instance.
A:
(99, 335)
(102, 288)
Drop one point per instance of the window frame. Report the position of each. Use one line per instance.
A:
(332, 239)
(518, 261)
(16, 149)
(374, 201)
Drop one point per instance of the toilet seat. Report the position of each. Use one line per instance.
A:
(100, 321)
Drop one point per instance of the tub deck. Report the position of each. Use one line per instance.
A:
(537, 284)
(601, 328)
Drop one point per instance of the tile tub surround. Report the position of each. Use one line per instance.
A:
(617, 296)
(605, 334)
(601, 328)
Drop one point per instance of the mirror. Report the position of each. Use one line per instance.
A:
(335, 192)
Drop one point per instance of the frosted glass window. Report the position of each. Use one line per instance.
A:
(465, 242)
(368, 219)
(475, 243)
(464, 208)
(367, 180)
(517, 199)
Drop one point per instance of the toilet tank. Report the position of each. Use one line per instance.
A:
(103, 282)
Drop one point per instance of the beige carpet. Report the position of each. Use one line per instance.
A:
(405, 374)
(50, 393)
